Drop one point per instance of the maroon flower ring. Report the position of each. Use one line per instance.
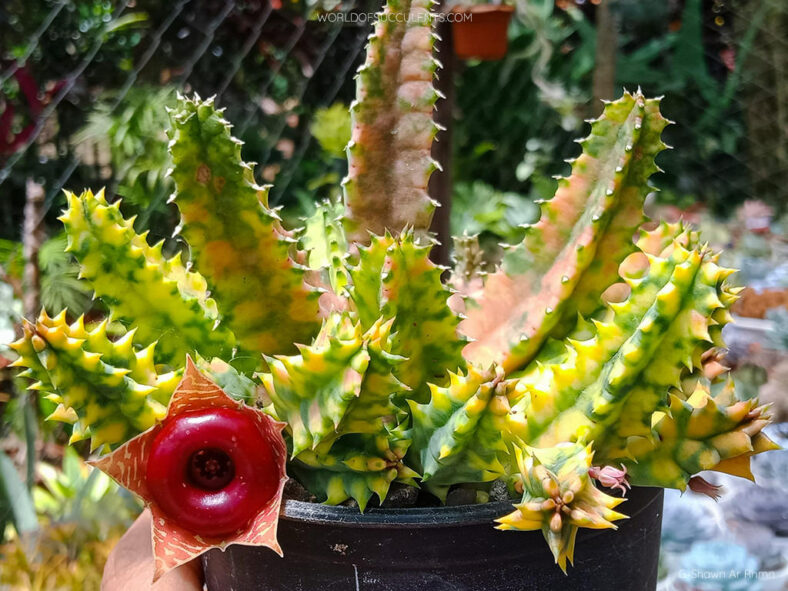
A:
(211, 470)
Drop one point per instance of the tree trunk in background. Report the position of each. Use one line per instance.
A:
(32, 237)
(440, 186)
(604, 84)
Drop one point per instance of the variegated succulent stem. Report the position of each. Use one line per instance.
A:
(389, 161)
(326, 246)
(608, 381)
(236, 240)
(395, 279)
(157, 296)
(642, 347)
(572, 254)
(343, 383)
(107, 389)
(339, 400)
(457, 436)
(356, 466)
(697, 431)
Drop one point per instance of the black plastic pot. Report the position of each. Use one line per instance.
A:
(437, 549)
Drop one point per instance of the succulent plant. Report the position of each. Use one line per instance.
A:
(719, 566)
(688, 520)
(759, 504)
(579, 360)
(559, 497)
(761, 542)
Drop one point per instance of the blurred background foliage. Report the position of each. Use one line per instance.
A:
(80, 514)
(719, 64)
(125, 138)
(84, 90)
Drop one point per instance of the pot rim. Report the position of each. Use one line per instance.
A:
(410, 517)
(424, 517)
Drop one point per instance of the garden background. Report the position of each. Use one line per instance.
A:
(84, 90)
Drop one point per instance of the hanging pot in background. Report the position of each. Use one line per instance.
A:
(480, 31)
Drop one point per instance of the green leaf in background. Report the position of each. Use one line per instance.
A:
(478, 208)
(689, 58)
(133, 132)
(16, 504)
(331, 128)
(126, 21)
(547, 79)
(28, 401)
(60, 284)
(80, 494)
(11, 260)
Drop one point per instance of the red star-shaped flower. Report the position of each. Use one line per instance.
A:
(212, 473)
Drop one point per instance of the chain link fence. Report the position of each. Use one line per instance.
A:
(726, 89)
(74, 70)
(85, 82)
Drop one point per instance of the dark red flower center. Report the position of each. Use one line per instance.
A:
(210, 468)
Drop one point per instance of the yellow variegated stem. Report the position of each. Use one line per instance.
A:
(146, 291)
(237, 242)
(641, 348)
(457, 436)
(703, 432)
(356, 466)
(609, 383)
(106, 402)
(342, 383)
(323, 239)
(337, 396)
(395, 279)
(120, 352)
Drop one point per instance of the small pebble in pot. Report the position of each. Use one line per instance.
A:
(295, 492)
(350, 503)
(461, 496)
(401, 495)
(499, 492)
